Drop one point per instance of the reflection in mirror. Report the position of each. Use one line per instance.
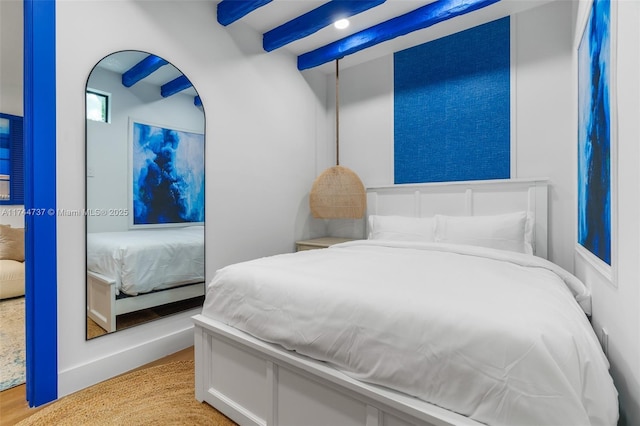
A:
(145, 144)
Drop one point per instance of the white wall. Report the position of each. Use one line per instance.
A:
(108, 143)
(541, 71)
(366, 129)
(544, 130)
(262, 133)
(544, 121)
(11, 63)
(12, 215)
(11, 82)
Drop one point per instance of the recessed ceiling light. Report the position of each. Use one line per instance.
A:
(341, 24)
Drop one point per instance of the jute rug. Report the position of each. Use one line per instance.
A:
(161, 395)
(12, 343)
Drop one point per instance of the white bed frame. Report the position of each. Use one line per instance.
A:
(256, 383)
(103, 307)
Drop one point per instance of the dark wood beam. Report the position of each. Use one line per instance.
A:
(314, 20)
(418, 19)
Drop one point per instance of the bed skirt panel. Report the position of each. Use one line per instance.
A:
(258, 384)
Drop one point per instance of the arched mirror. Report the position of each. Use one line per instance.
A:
(145, 142)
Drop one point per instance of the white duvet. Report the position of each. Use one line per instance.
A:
(141, 261)
(497, 336)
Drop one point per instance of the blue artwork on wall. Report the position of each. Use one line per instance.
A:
(11, 159)
(594, 134)
(5, 148)
(452, 107)
(167, 168)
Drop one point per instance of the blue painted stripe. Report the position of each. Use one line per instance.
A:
(418, 19)
(230, 11)
(313, 21)
(174, 86)
(197, 101)
(142, 69)
(40, 193)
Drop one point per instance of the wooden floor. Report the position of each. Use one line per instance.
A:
(14, 407)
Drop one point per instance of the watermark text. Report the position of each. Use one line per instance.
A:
(14, 211)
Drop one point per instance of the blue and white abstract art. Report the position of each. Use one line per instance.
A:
(594, 133)
(5, 146)
(167, 175)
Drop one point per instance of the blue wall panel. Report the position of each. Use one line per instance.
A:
(41, 286)
(452, 107)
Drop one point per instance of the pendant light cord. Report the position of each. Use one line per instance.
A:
(337, 117)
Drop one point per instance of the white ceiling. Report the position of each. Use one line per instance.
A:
(120, 62)
(277, 12)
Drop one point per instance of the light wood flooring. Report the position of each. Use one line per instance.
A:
(14, 407)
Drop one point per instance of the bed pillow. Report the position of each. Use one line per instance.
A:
(512, 231)
(401, 228)
(11, 243)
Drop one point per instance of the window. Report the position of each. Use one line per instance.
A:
(11, 160)
(98, 105)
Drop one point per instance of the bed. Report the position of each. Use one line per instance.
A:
(447, 314)
(138, 269)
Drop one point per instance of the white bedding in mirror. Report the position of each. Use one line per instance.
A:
(141, 261)
(498, 336)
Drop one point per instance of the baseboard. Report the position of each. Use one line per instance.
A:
(96, 371)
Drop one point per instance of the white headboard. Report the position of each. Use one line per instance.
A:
(469, 198)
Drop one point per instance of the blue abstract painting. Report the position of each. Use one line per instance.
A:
(5, 146)
(594, 133)
(167, 175)
(11, 159)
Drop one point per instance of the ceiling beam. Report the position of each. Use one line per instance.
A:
(174, 86)
(230, 11)
(142, 69)
(418, 19)
(314, 20)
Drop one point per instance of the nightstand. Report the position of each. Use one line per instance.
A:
(319, 243)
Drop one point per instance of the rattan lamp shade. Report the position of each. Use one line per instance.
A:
(338, 193)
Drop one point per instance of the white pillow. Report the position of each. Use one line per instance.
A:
(401, 228)
(511, 231)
